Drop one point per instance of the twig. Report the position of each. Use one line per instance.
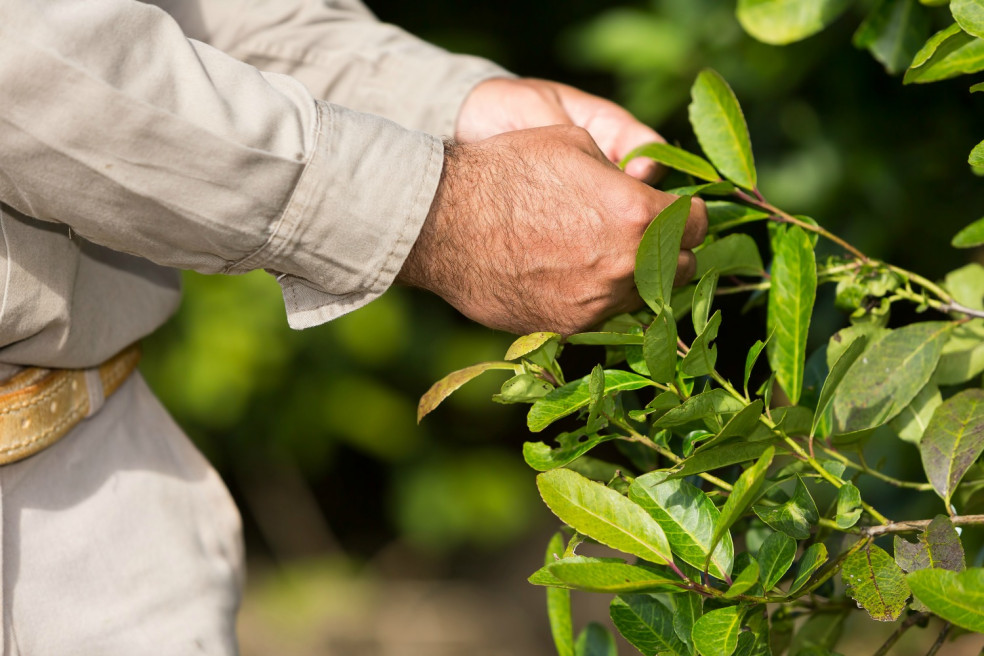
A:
(919, 525)
(863, 467)
(899, 632)
(939, 640)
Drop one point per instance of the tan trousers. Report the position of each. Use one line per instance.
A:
(120, 539)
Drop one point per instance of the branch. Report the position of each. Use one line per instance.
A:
(918, 525)
(903, 627)
(939, 640)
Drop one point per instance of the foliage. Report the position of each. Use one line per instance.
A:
(717, 495)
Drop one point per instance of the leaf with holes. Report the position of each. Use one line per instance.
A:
(876, 583)
(702, 356)
(939, 547)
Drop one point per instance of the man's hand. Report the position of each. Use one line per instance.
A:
(537, 230)
(502, 105)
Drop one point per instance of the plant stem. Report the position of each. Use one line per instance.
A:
(923, 487)
(919, 525)
(899, 632)
(785, 217)
(939, 640)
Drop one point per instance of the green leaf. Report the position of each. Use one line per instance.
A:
(524, 388)
(656, 260)
(703, 299)
(966, 284)
(698, 406)
(835, 377)
(721, 130)
(675, 158)
(894, 31)
(791, 298)
(721, 456)
(811, 560)
(595, 640)
(707, 189)
(443, 388)
(947, 53)
(912, 421)
(889, 376)
(754, 641)
(973, 235)
(528, 343)
(795, 517)
(573, 445)
(957, 597)
(963, 355)
(745, 580)
(876, 583)
(939, 547)
(775, 557)
(575, 395)
(559, 604)
(687, 609)
(659, 347)
(953, 441)
(848, 506)
(659, 405)
(752, 358)
(740, 425)
(687, 517)
(603, 514)
(743, 493)
(724, 215)
(648, 624)
(735, 254)
(976, 157)
(716, 632)
(969, 14)
(610, 575)
(821, 631)
(975, 89)
(778, 22)
(700, 360)
(606, 339)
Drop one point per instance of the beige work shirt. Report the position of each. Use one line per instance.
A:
(134, 140)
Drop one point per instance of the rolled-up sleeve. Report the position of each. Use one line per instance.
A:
(114, 122)
(343, 54)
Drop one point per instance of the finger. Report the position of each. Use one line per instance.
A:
(695, 230)
(686, 268)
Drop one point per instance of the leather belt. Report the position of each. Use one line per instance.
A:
(39, 406)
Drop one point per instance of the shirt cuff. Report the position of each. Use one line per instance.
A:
(353, 217)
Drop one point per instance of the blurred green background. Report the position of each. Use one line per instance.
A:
(314, 431)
